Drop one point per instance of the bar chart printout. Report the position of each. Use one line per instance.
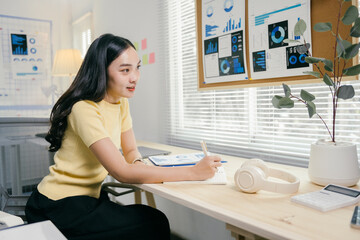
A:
(19, 44)
(222, 40)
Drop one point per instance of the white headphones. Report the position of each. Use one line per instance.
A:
(252, 177)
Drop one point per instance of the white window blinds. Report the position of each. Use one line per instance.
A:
(242, 121)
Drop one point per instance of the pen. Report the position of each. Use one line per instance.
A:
(204, 148)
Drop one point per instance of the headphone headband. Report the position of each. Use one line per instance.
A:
(252, 177)
(291, 185)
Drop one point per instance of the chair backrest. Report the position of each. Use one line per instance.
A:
(13, 204)
(4, 196)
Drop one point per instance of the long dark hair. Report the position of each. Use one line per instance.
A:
(89, 84)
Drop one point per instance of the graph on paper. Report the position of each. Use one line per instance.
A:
(269, 26)
(223, 40)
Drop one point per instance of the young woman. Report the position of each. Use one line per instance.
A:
(89, 123)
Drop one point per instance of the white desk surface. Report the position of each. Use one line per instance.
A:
(36, 231)
(266, 214)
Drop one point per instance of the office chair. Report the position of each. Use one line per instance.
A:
(13, 204)
(110, 187)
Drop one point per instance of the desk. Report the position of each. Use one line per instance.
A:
(264, 214)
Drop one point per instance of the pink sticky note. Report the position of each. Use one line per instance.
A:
(143, 44)
(151, 58)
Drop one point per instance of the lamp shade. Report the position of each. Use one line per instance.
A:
(67, 62)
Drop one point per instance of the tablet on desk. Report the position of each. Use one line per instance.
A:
(148, 152)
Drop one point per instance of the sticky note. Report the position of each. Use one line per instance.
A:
(143, 44)
(144, 59)
(136, 44)
(152, 58)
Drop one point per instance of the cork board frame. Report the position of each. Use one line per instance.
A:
(322, 46)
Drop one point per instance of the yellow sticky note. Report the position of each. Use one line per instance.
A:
(144, 59)
(136, 44)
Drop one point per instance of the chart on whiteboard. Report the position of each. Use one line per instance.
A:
(223, 26)
(25, 65)
(269, 26)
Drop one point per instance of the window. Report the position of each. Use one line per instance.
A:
(243, 122)
(83, 32)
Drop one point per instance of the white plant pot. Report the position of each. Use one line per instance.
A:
(335, 163)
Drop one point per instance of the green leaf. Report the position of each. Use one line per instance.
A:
(327, 80)
(311, 109)
(282, 102)
(287, 90)
(351, 14)
(351, 51)
(290, 41)
(322, 27)
(276, 101)
(286, 102)
(313, 59)
(346, 92)
(355, 29)
(352, 71)
(340, 48)
(304, 48)
(328, 65)
(315, 74)
(299, 28)
(306, 96)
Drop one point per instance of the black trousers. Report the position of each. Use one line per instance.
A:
(87, 218)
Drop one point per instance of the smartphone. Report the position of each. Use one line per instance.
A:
(355, 220)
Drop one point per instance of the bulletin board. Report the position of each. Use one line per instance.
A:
(25, 67)
(234, 38)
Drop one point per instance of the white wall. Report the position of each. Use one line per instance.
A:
(56, 11)
(137, 20)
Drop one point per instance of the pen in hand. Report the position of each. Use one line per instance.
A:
(204, 148)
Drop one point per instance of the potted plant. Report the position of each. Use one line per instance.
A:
(330, 161)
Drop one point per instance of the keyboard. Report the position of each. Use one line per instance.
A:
(218, 178)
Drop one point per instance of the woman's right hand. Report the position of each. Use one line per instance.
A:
(206, 167)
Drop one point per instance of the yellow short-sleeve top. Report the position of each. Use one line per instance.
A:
(77, 171)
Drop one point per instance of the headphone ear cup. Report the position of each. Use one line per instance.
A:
(249, 179)
(257, 163)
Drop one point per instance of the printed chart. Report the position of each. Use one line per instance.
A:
(223, 44)
(269, 26)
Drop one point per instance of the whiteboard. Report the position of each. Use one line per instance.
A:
(25, 67)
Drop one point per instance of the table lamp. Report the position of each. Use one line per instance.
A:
(67, 62)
